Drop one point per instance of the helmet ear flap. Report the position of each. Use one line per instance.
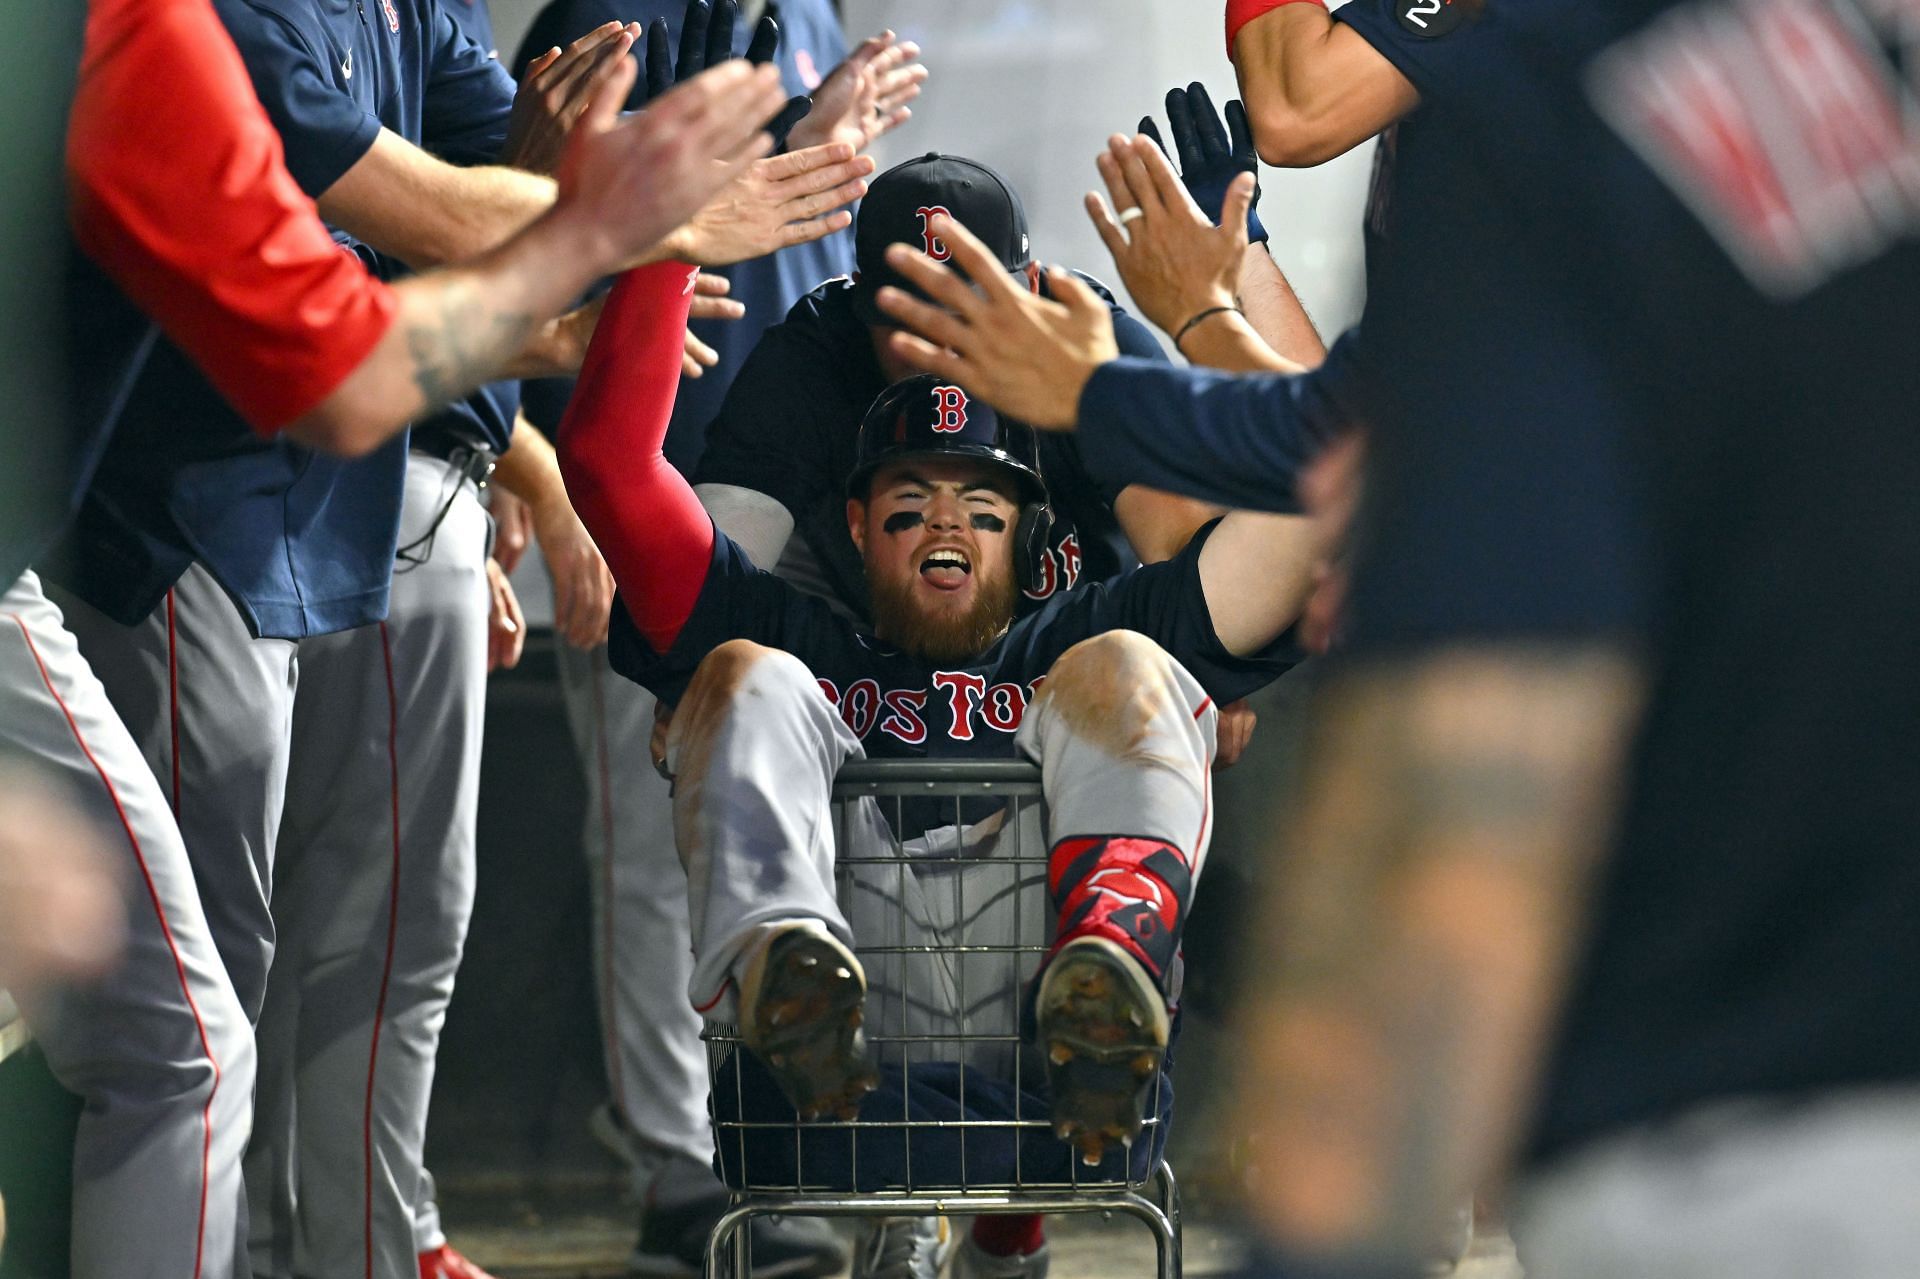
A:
(1032, 537)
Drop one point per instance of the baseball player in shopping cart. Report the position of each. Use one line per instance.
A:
(1111, 689)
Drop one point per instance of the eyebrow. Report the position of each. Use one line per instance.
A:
(912, 479)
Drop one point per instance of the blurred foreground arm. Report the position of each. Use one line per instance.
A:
(1424, 913)
(216, 242)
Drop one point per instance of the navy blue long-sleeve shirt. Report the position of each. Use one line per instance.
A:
(1235, 440)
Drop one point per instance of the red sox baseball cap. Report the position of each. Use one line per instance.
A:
(924, 416)
(900, 205)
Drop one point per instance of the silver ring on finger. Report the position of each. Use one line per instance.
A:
(1128, 215)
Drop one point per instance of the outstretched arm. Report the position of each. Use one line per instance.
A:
(1215, 150)
(1257, 571)
(1314, 88)
(641, 512)
(1236, 441)
(250, 285)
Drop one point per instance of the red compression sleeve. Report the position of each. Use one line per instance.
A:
(641, 512)
(1241, 12)
(181, 194)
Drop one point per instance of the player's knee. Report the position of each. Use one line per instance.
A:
(1110, 663)
(741, 666)
(228, 1036)
(1111, 686)
(737, 672)
(210, 1068)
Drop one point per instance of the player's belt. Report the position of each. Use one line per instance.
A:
(473, 462)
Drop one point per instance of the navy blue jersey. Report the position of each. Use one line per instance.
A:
(1660, 391)
(1434, 45)
(107, 341)
(302, 541)
(791, 421)
(811, 45)
(901, 706)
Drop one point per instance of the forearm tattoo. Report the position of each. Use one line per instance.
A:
(1428, 889)
(462, 344)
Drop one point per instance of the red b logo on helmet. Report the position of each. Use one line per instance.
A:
(935, 246)
(949, 409)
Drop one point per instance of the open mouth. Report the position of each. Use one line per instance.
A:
(946, 569)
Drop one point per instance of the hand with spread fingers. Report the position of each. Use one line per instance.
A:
(775, 202)
(1177, 265)
(865, 96)
(778, 201)
(706, 40)
(629, 184)
(1212, 153)
(1026, 355)
(555, 90)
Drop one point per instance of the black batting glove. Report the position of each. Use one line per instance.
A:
(1212, 154)
(706, 40)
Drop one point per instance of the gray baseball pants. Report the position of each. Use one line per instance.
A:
(642, 943)
(1123, 734)
(211, 708)
(159, 1049)
(1757, 1189)
(375, 890)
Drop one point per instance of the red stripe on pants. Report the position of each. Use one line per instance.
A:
(393, 928)
(166, 931)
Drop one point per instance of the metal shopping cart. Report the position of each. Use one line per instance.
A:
(941, 871)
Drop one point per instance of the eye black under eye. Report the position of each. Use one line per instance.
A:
(901, 521)
(988, 523)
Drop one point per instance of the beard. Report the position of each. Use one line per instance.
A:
(940, 640)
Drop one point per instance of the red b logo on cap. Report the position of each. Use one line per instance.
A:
(935, 246)
(950, 409)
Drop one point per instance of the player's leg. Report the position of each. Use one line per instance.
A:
(210, 707)
(1124, 736)
(377, 883)
(159, 1049)
(753, 750)
(643, 961)
(642, 941)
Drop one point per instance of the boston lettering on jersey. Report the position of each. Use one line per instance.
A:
(901, 706)
(970, 704)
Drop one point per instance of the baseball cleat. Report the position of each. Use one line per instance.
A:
(1104, 1026)
(802, 1007)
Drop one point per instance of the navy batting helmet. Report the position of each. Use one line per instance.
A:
(926, 417)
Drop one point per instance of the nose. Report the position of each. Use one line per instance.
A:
(944, 513)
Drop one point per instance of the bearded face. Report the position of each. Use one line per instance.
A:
(936, 534)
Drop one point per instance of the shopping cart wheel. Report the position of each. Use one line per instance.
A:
(804, 1009)
(1103, 1026)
